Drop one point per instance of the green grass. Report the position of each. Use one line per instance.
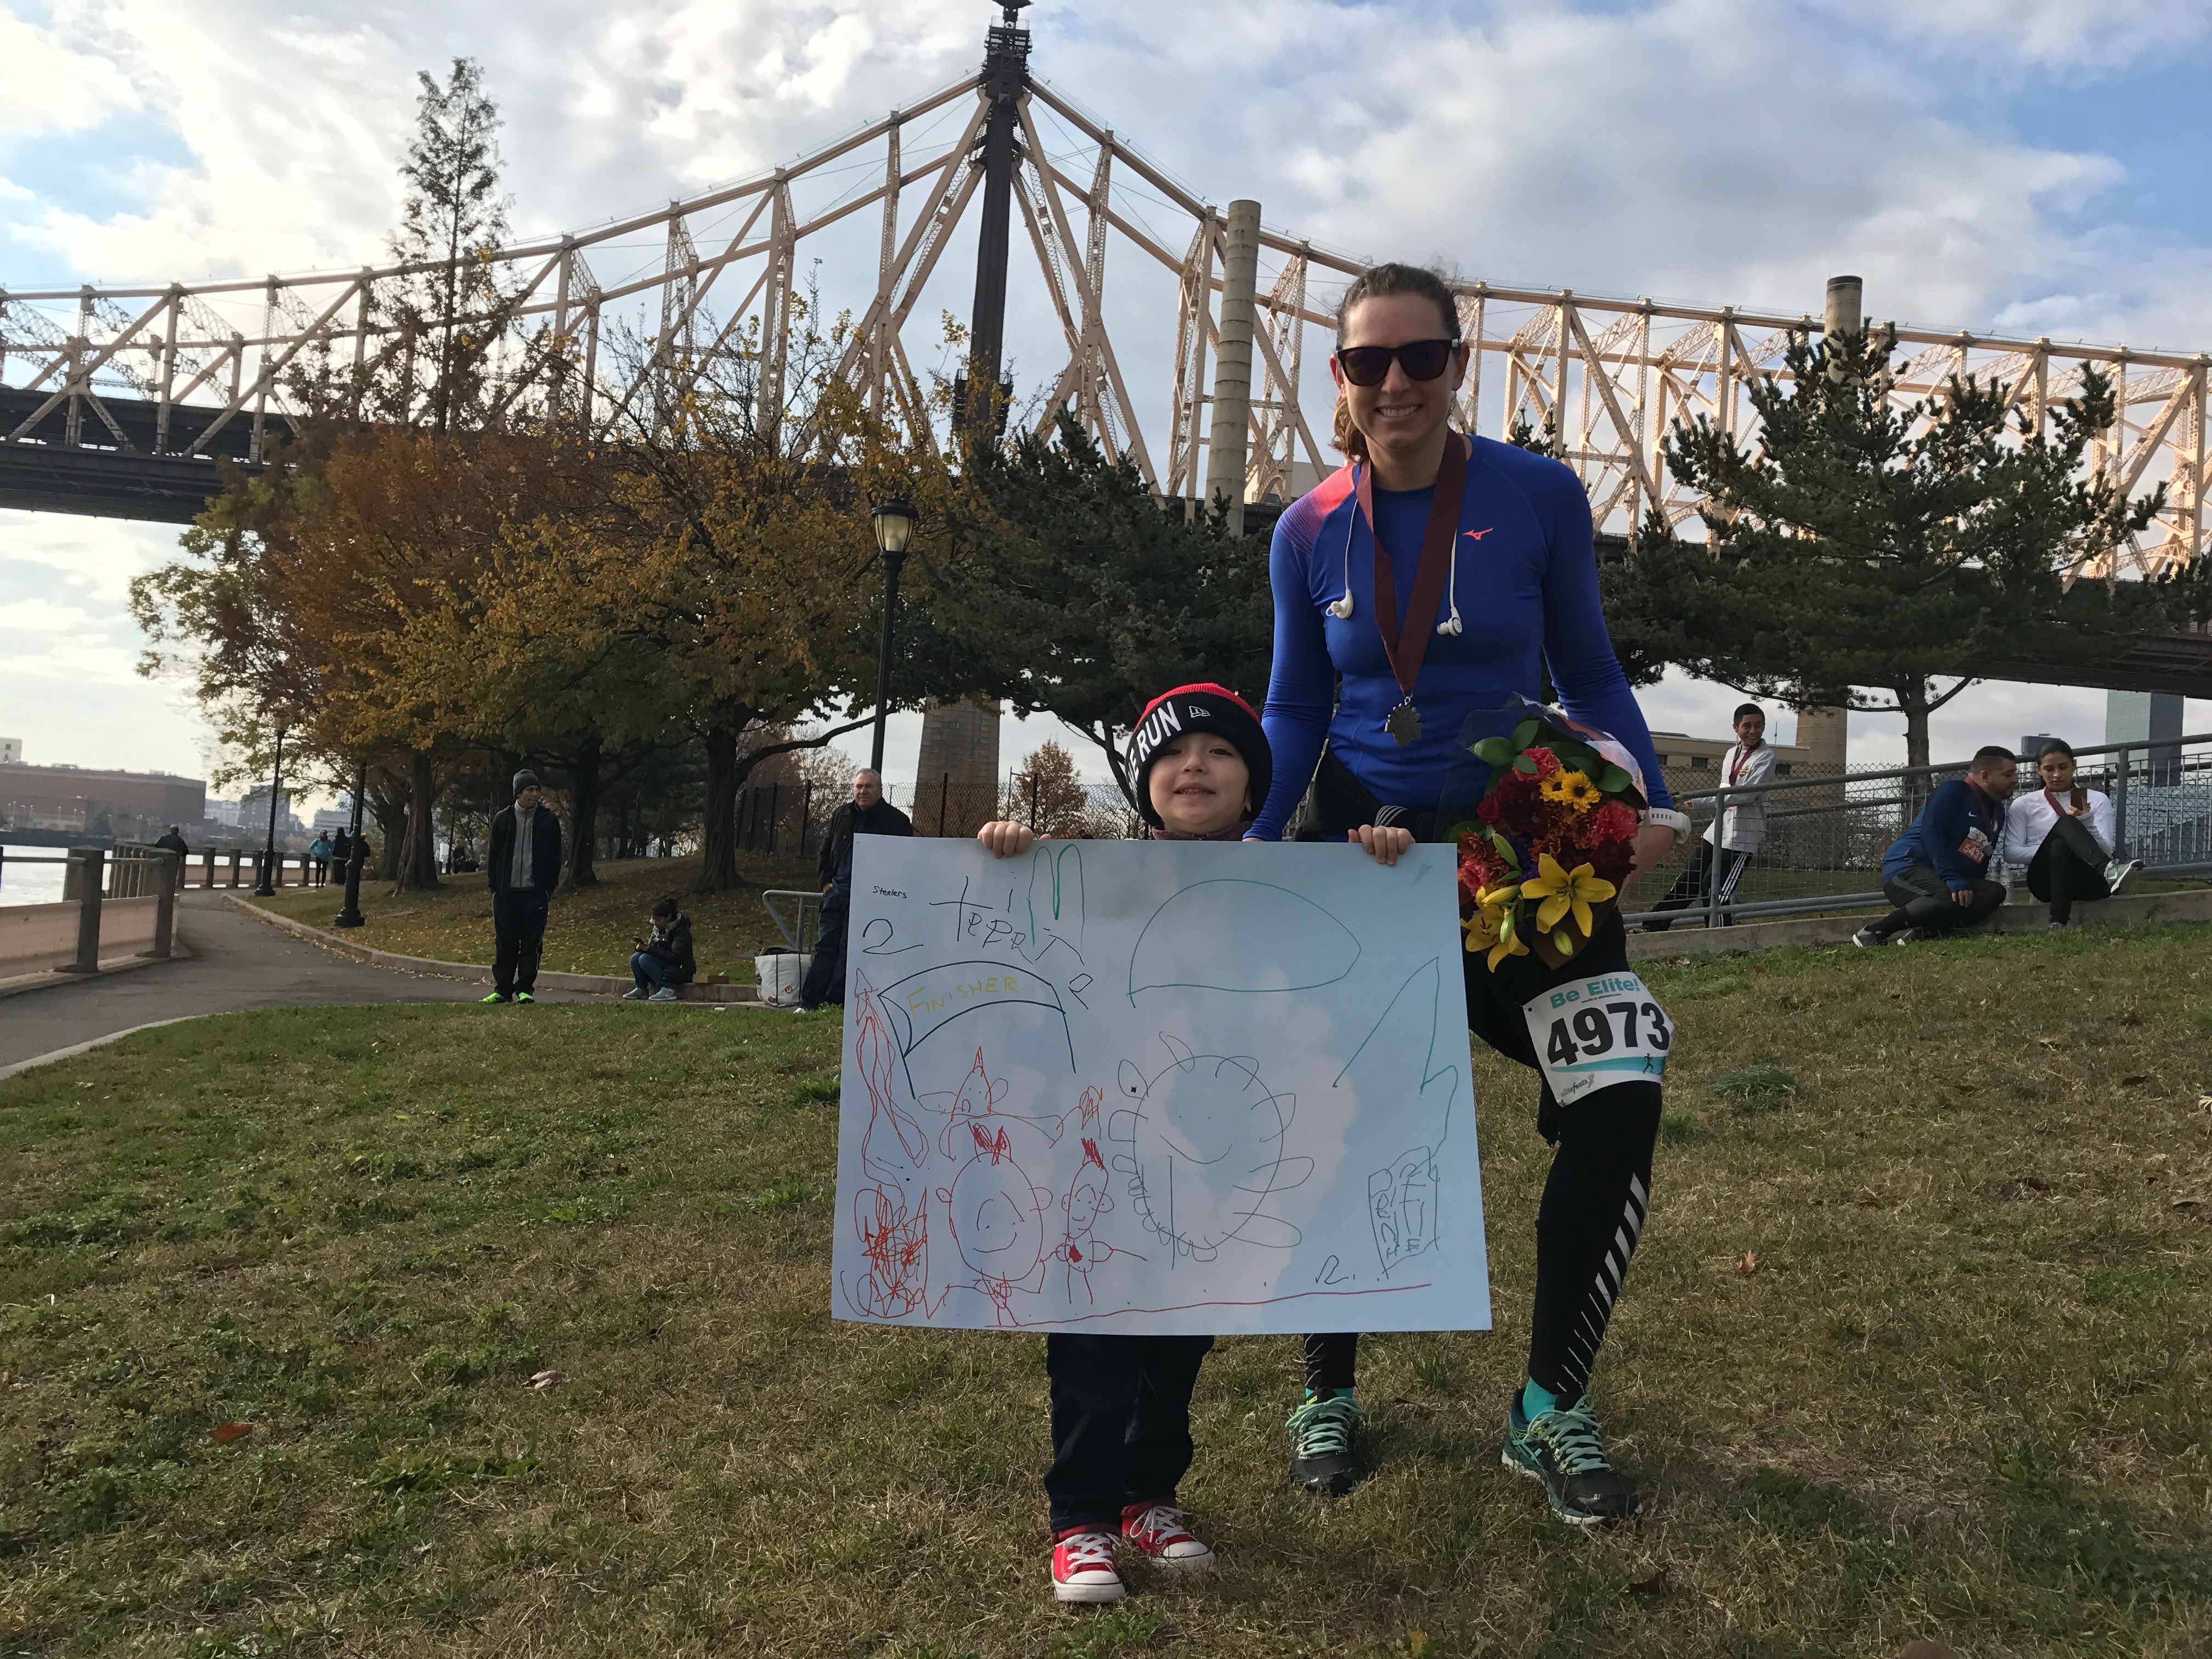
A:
(589, 931)
(1920, 1345)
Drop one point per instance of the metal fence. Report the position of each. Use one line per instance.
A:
(1824, 835)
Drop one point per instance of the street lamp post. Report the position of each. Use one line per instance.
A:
(894, 527)
(349, 914)
(267, 888)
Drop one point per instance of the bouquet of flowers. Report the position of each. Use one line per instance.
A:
(1542, 864)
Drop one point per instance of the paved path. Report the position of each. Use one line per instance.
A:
(237, 963)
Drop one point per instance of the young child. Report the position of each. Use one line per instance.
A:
(1121, 1404)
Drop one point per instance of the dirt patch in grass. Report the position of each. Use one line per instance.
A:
(1943, 1401)
(590, 929)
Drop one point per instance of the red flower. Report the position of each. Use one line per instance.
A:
(1547, 763)
(1613, 822)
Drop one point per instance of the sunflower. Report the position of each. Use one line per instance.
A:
(1573, 790)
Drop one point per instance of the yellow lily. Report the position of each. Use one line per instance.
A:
(1565, 892)
(1494, 905)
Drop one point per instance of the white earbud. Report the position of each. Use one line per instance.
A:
(1450, 626)
(1342, 609)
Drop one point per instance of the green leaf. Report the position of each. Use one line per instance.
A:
(1464, 827)
(1525, 734)
(1612, 779)
(1495, 751)
(1522, 764)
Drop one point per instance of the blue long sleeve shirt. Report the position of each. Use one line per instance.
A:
(1526, 586)
(1954, 815)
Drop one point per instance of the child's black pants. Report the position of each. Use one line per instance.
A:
(1120, 1423)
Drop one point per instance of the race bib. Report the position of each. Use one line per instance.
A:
(1591, 1034)
(1975, 847)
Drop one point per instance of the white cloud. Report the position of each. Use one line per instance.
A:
(2053, 34)
(51, 84)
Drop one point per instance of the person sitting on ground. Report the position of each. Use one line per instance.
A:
(1936, 873)
(663, 962)
(318, 860)
(2064, 834)
(1719, 861)
(1121, 1403)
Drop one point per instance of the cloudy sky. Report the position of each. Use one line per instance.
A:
(2023, 166)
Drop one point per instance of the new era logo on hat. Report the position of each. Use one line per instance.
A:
(1203, 707)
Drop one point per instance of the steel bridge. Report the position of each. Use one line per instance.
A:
(119, 400)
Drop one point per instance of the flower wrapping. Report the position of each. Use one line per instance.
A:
(1543, 860)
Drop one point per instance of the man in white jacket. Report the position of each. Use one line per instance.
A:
(2065, 835)
(1736, 829)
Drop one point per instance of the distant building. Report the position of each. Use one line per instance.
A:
(335, 817)
(131, 805)
(222, 811)
(11, 751)
(253, 812)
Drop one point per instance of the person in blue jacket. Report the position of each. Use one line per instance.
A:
(1386, 669)
(1936, 873)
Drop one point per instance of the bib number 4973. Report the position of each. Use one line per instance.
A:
(1594, 1033)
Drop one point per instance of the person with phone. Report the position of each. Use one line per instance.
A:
(2065, 836)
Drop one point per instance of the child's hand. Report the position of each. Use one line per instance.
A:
(1384, 844)
(1005, 838)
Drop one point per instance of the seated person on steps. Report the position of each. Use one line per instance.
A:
(2063, 834)
(1936, 873)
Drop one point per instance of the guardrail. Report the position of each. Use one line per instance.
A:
(1824, 837)
(110, 903)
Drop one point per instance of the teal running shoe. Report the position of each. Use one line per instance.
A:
(1563, 1452)
(1324, 1450)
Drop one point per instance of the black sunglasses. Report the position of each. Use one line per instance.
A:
(1367, 365)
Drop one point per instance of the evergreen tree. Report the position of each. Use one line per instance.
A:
(1862, 552)
(454, 214)
(1069, 591)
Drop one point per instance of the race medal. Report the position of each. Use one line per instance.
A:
(1591, 1034)
(1405, 723)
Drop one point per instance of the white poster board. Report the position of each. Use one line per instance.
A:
(1157, 1088)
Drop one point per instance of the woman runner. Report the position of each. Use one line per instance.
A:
(1460, 615)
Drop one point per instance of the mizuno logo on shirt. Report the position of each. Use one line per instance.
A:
(1476, 535)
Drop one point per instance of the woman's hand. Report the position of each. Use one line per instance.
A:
(1385, 845)
(1653, 842)
(1005, 838)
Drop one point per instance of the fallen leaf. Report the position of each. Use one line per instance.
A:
(1897, 996)
(1920, 1647)
(1868, 1201)
(2177, 1204)
(2022, 1187)
(1654, 1585)
(549, 1379)
(2048, 1042)
(2130, 1082)
(1703, 1117)
(222, 1434)
(1680, 961)
(1966, 1088)
(1749, 1264)
(1416, 1643)
(2131, 1019)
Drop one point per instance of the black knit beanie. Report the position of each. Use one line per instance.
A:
(1201, 707)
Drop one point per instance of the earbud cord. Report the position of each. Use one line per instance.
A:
(1342, 609)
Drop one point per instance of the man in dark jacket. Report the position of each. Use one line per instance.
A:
(174, 843)
(866, 814)
(1936, 873)
(522, 872)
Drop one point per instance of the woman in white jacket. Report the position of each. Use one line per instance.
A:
(2063, 834)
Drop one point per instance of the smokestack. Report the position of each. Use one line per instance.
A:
(1232, 364)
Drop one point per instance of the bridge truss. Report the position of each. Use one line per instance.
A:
(168, 377)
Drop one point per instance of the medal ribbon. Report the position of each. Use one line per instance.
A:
(1412, 644)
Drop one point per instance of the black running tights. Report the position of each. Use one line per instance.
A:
(1594, 1202)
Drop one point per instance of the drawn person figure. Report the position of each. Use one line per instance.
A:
(1080, 1247)
(1464, 613)
(1200, 764)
